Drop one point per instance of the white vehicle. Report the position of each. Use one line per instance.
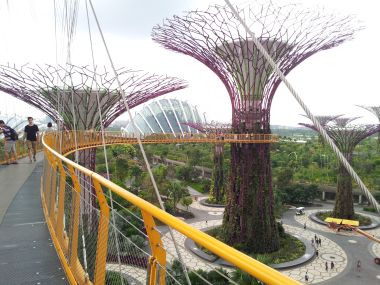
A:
(300, 211)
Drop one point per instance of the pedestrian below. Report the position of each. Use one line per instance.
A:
(320, 242)
(304, 226)
(317, 253)
(315, 238)
(306, 277)
(31, 137)
(332, 265)
(327, 266)
(358, 265)
(312, 241)
(10, 137)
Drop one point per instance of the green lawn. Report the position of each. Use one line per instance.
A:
(291, 248)
(197, 186)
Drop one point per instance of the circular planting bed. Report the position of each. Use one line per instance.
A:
(365, 221)
(205, 202)
(294, 251)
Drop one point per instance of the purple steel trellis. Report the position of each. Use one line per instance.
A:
(216, 38)
(346, 137)
(60, 91)
(376, 111)
(38, 87)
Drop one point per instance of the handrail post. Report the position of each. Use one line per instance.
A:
(47, 180)
(61, 201)
(102, 242)
(53, 191)
(75, 218)
(158, 251)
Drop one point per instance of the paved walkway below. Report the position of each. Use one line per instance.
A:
(27, 255)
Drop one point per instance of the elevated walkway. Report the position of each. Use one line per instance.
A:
(27, 255)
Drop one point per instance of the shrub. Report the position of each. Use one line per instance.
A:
(369, 209)
(281, 230)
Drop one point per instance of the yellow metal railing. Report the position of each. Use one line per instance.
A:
(77, 212)
(89, 139)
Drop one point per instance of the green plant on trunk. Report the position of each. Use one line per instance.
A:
(217, 189)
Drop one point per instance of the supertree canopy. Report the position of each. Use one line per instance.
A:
(218, 182)
(211, 128)
(343, 122)
(325, 119)
(346, 137)
(69, 95)
(65, 93)
(376, 111)
(216, 38)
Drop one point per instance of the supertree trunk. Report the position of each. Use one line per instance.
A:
(344, 202)
(217, 39)
(217, 191)
(249, 217)
(346, 137)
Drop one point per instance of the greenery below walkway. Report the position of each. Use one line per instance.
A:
(291, 248)
(363, 220)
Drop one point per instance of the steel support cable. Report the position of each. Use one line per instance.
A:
(70, 29)
(58, 92)
(139, 140)
(315, 121)
(104, 146)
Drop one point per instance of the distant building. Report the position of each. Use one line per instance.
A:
(165, 116)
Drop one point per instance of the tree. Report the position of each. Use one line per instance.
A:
(121, 168)
(160, 173)
(184, 172)
(299, 193)
(177, 192)
(186, 201)
(285, 177)
(194, 156)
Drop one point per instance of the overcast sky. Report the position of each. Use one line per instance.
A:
(330, 82)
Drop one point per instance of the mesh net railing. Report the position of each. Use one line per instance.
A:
(128, 243)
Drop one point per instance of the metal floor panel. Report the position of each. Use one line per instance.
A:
(27, 255)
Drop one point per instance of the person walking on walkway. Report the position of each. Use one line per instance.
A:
(358, 265)
(317, 253)
(306, 277)
(327, 266)
(49, 128)
(10, 137)
(31, 136)
(332, 265)
(319, 242)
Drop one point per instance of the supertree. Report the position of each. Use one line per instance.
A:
(324, 120)
(346, 137)
(343, 122)
(68, 95)
(218, 185)
(376, 111)
(216, 38)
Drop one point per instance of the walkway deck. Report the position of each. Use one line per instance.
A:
(27, 255)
